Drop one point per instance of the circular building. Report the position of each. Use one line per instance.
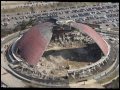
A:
(30, 48)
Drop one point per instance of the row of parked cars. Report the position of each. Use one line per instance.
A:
(93, 14)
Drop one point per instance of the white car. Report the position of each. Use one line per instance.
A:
(64, 21)
(2, 39)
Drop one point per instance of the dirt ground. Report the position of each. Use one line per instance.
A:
(57, 58)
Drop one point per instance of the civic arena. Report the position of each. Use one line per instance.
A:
(59, 54)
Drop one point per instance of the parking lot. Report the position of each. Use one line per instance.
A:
(104, 13)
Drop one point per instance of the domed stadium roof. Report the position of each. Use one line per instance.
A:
(33, 43)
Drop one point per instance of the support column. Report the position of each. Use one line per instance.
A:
(94, 68)
(89, 70)
(99, 65)
(73, 75)
(102, 63)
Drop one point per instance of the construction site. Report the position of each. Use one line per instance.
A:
(56, 53)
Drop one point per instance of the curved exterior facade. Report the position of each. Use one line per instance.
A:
(34, 42)
(94, 35)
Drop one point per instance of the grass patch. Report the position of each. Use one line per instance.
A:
(15, 10)
(12, 3)
(49, 6)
